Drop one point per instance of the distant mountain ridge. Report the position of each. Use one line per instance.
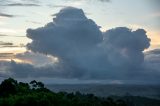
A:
(104, 90)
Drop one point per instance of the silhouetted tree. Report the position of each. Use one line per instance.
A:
(8, 86)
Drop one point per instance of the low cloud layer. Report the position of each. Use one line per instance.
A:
(37, 59)
(84, 52)
(152, 60)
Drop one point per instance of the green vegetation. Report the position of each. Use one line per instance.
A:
(13, 93)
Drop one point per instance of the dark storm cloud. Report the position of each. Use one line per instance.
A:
(126, 46)
(153, 58)
(122, 37)
(24, 70)
(154, 52)
(70, 28)
(80, 45)
(84, 52)
(152, 63)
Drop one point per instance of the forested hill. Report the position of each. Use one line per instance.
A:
(14, 93)
(105, 90)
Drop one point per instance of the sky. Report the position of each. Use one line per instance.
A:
(80, 41)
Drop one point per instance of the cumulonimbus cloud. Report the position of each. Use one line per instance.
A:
(78, 42)
(84, 52)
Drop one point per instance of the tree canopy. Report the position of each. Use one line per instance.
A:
(14, 93)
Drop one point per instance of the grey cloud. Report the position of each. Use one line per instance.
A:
(154, 52)
(5, 43)
(9, 44)
(126, 46)
(69, 29)
(105, 0)
(56, 6)
(90, 0)
(89, 54)
(21, 4)
(24, 70)
(16, 36)
(6, 55)
(84, 52)
(152, 63)
(4, 70)
(152, 59)
(6, 15)
(36, 59)
(72, 37)
(4, 1)
(33, 22)
(31, 1)
(3, 35)
(123, 37)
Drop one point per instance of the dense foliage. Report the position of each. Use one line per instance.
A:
(13, 93)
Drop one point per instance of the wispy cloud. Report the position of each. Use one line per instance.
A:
(1, 35)
(31, 1)
(5, 35)
(105, 0)
(21, 4)
(6, 15)
(56, 6)
(19, 36)
(6, 55)
(5, 43)
(9, 45)
(91, 0)
(33, 22)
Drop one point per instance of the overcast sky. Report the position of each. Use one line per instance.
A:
(84, 40)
